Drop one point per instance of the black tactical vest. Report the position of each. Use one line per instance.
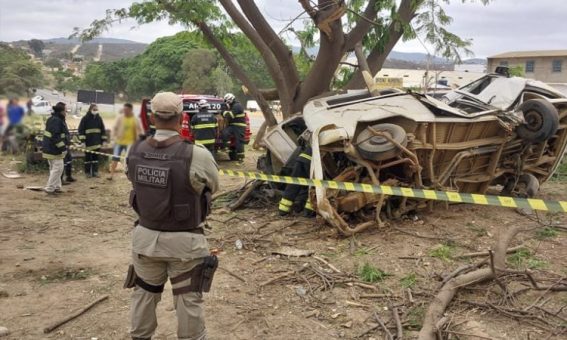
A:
(162, 194)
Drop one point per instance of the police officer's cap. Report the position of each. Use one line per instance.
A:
(167, 104)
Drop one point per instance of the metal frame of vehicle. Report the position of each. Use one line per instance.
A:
(468, 141)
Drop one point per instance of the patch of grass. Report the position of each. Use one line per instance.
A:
(545, 233)
(362, 251)
(443, 252)
(523, 258)
(371, 274)
(415, 317)
(68, 274)
(477, 230)
(408, 281)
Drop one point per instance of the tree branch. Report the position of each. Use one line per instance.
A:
(364, 24)
(377, 56)
(308, 8)
(237, 70)
(271, 62)
(281, 52)
(330, 54)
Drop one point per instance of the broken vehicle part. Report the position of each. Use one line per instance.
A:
(495, 131)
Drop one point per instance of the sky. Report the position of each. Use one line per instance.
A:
(503, 25)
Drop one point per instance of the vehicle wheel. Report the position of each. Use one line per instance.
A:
(378, 148)
(542, 120)
(526, 187)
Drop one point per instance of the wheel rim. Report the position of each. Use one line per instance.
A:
(534, 120)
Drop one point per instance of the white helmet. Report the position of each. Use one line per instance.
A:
(229, 98)
(203, 104)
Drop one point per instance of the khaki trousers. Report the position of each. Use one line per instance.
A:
(188, 306)
(55, 171)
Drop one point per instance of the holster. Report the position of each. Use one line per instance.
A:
(210, 265)
(131, 276)
(201, 277)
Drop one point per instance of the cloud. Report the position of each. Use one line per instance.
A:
(503, 25)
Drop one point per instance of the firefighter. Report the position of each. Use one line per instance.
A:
(296, 197)
(172, 181)
(54, 147)
(204, 126)
(93, 133)
(236, 125)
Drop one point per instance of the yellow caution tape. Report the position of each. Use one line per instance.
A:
(436, 195)
(447, 196)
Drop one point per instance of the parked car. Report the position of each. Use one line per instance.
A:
(190, 107)
(41, 107)
(507, 133)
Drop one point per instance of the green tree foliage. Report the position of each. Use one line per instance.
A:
(517, 71)
(36, 46)
(53, 63)
(18, 74)
(198, 66)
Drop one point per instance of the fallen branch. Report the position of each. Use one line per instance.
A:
(333, 268)
(232, 274)
(279, 277)
(447, 292)
(240, 201)
(388, 333)
(485, 253)
(73, 316)
(399, 329)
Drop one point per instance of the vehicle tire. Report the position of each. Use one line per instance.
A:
(377, 148)
(542, 120)
(527, 186)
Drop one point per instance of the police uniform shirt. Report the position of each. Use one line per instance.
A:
(183, 245)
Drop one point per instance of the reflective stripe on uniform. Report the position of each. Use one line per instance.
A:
(238, 124)
(242, 115)
(286, 202)
(308, 205)
(205, 126)
(228, 113)
(63, 135)
(204, 141)
(60, 144)
(304, 155)
(284, 208)
(47, 134)
(49, 156)
(82, 137)
(92, 131)
(94, 147)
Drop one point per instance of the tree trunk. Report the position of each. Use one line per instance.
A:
(378, 55)
(238, 72)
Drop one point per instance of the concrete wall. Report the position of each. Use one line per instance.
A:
(543, 70)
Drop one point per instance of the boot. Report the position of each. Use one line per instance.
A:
(68, 174)
(94, 168)
(88, 167)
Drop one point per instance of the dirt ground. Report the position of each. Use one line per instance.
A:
(59, 254)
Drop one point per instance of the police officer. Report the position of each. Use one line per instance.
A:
(172, 185)
(236, 125)
(296, 197)
(204, 126)
(93, 133)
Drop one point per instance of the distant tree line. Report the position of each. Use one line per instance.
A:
(179, 63)
(18, 73)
